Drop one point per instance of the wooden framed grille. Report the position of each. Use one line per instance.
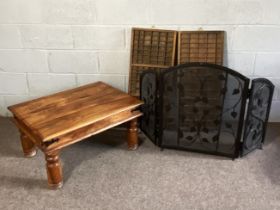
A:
(150, 49)
(201, 46)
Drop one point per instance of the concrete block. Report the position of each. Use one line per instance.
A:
(114, 62)
(42, 84)
(256, 38)
(242, 62)
(122, 11)
(276, 82)
(270, 12)
(46, 37)
(241, 12)
(23, 61)
(19, 11)
(69, 12)
(13, 83)
(3, 109)
(9, 37)
(73, 62)
(14, 99)
(202, 12)
(275, 112)
(267, 64)
(126, 83)
(116, 81)
(99, 38)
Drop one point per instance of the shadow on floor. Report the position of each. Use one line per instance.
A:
(271, 152)
(72, 157)
(9, 139)
(90, 149)
(25, 182)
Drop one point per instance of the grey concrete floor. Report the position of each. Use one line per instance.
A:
(101, 174)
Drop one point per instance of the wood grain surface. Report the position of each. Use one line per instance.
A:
(61, 113)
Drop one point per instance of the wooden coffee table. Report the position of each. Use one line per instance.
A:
(56, 121)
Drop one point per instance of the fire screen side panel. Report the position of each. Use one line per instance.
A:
(257, 115)
(202, 108)
(148, 93)
(233, 114)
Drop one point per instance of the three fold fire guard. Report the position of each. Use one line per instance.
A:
(201, 107)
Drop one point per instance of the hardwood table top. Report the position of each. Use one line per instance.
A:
(61, 113)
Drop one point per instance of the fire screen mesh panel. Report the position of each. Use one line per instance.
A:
(201, 46)
(197, 107)
(202, 110)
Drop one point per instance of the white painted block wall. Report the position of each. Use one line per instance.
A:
(50, 45)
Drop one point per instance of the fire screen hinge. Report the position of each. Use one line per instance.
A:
(158, 119)
(240, 147)
(157, 97)
(249, 93)
(157, 130)
(157, 135)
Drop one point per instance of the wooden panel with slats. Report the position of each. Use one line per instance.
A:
(150, 49)
(201, 46)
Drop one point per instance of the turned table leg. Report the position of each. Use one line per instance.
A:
(132, 134)
(54, 170)
(28, 147)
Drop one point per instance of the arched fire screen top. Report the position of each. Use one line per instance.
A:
(201, 107)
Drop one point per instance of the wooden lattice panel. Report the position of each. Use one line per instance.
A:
(201, 46)
(150, 48)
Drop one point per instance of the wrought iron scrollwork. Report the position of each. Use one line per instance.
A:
(205, 113)
(148, 93)
(202, 108)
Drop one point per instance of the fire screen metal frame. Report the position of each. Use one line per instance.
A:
(149, 94)
(260, 99)
(201, 108)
